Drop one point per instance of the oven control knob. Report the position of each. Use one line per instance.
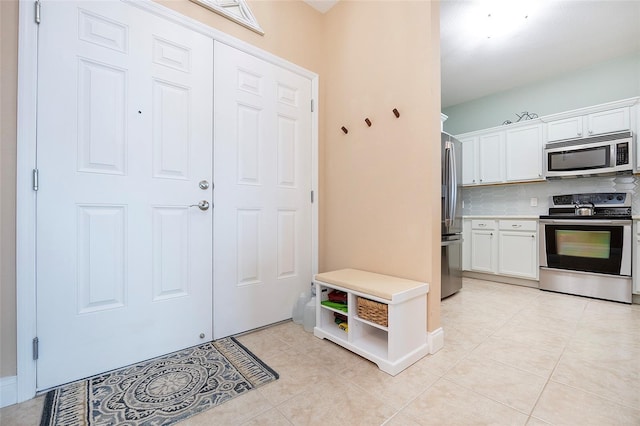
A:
(619, 198)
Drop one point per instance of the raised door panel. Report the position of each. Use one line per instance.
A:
(482, 256)
(102, 260)
(491, 158)
(615, 120)
(517, 254)
(524, 153)
(170, 130)
(469, 161)
(102, 137)
(569, 128)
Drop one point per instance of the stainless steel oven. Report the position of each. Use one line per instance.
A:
(587, 255)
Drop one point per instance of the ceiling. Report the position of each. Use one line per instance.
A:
(558, 36)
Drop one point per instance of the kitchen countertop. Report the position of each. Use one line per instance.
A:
(502, 216)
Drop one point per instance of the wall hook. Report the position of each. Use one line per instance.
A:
(366, 120)
(344, 129)
(396, 113)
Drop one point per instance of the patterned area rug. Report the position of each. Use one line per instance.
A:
(162, 391)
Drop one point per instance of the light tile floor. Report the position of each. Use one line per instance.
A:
(512, 356)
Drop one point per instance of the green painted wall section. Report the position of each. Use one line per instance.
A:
(604, 82)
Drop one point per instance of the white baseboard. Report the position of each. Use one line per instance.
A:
(435, 340)
(502, 279)
(8, 391)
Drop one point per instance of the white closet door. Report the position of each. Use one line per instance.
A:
(262, 171)
(124, 138)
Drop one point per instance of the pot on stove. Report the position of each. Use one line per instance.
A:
(584, 209)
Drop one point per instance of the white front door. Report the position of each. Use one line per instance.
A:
(262, 215)
(124, 265)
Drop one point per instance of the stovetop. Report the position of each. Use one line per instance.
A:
(607, 205)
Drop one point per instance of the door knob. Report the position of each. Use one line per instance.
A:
(203, 184)
(202, 205)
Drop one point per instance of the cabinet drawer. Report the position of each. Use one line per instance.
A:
(519, 225)
(483, 224)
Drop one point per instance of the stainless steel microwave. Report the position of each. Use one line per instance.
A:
(607, 154)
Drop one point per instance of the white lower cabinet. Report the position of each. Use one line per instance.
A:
(518, 249)
(484, 246)
(502, 247)
(394, 346)
(466, 245)
(636, 257)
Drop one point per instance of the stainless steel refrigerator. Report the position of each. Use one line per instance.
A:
(451, 241)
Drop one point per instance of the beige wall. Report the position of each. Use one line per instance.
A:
(382, 183)
(378, 186)
(8, 82)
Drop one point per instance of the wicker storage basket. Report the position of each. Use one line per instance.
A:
(373, 311)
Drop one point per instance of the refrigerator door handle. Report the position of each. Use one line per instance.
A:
(445, 186)
(453, 187)
(450, 183)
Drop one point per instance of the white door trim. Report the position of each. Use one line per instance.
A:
(26, 162)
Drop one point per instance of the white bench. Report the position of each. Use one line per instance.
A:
(393, 347)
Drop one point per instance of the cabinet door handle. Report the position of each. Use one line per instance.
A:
(516, 226)
(482, 225)
(533, 236)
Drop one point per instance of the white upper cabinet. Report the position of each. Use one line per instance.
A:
(515, 153)
(596, 123)
(569, 128)
(503, 156)
(614, 120)
(635, 126)
(524, 153)
(491, 158)
(469, 161)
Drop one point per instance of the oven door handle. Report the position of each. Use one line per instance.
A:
(584, 222)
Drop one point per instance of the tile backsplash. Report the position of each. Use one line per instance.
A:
(515, 199)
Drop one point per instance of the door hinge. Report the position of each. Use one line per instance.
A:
(311, 105)
(35, 179)
(35, 348)
(37, 11)
(311, 197)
